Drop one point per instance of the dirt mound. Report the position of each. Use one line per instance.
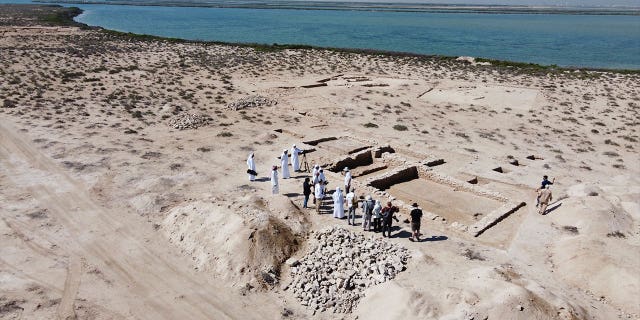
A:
(271, 244)
(284, 209)
(593, 252)
(485, 293)
(212, 235)
(244, 243)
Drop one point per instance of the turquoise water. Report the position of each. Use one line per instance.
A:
(598, 41)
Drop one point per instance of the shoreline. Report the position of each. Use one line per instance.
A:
(382, 7)
(520, 66)
(523, 67)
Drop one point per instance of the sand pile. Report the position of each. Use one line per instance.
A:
(244, 244)
(340, 266)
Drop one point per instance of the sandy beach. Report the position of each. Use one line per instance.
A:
(124, 192)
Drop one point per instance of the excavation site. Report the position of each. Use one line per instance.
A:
(144, 177)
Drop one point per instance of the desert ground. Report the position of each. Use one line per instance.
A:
(124, 193)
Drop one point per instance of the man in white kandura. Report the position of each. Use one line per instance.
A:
(284, 161)
(251, 166)
(338, 204)
(347, 179)
(274, 180)
(318, 193)
(322, 177)
(295, 161)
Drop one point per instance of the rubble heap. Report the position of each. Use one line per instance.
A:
(189, 121)
(340, 265)
(251, 102)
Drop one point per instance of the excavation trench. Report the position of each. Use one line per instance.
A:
(318, 141)
(360, 159)
(447, 201)
(400, 176)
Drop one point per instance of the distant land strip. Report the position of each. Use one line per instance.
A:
(367, 6)
(65, 17)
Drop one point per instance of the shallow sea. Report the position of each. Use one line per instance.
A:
(598, 41)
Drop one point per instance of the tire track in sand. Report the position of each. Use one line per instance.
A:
(71, 285)
(151, 279)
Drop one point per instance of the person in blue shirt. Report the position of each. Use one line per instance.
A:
(545, 181)
(543, 185)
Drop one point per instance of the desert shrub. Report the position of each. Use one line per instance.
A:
(611, 142)
(9, 104)
(400, 127)
(473, 255)
(616, 234)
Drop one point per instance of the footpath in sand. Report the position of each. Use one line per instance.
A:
(124, 193)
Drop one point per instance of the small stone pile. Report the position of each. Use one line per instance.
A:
(340, 265)
(189, 121)
(251, 102)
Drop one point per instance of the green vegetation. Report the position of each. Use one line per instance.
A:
(62, 17)
(533, 68)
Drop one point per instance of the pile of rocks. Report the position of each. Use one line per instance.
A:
(251, 102)
(189, 121)
(340, 265)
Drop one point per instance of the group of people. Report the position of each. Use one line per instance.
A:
(375, 217)
(284, 165)
(318, 185)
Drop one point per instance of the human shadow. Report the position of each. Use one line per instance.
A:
(402, 234)
(326, 207)
(291, 194)
(263, 179)
(434, 238)
(552, 208)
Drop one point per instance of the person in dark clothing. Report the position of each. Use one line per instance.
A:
(377, 216)
(543, 185)
(545, 182)
(388, 217)
(306, 190)
(416, 215)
